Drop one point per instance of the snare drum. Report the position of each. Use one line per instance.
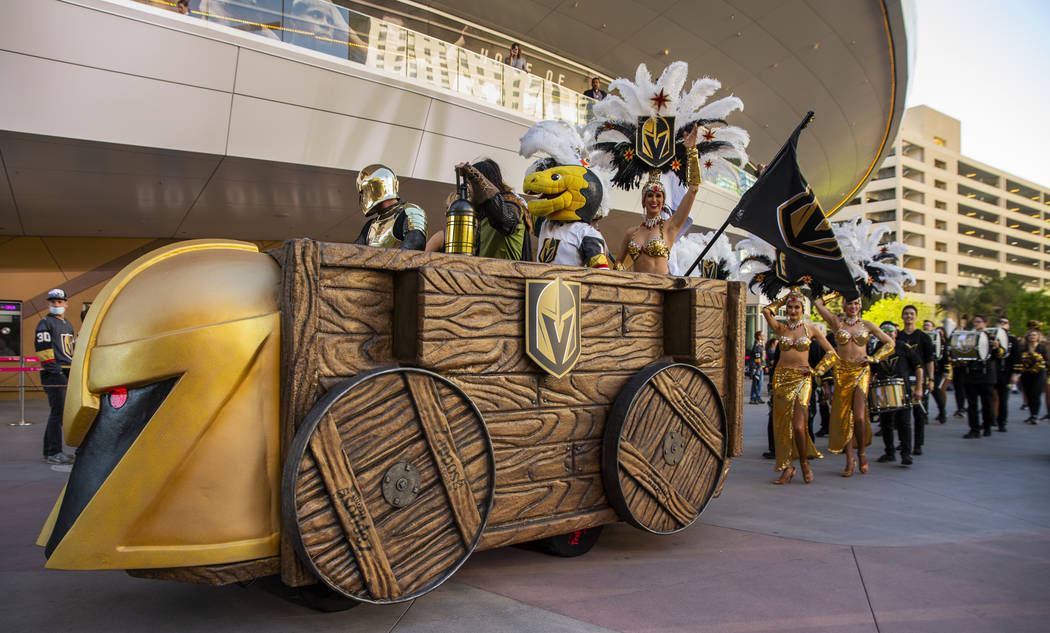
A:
(999, 334)
(938, 344)
(968, 345)
(885, 395)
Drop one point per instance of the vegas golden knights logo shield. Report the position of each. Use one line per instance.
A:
(552, 324)
(654, 140)
(804, 227)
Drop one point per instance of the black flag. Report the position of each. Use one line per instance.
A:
(781, 209)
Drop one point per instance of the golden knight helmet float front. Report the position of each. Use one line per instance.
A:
(375, 184)
(173, 403)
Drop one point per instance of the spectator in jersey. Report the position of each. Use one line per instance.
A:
(54, 349)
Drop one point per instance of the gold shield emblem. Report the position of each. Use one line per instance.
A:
(654, 140)
(804, 227)
(552, 324)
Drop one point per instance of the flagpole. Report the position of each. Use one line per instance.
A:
(801, 126)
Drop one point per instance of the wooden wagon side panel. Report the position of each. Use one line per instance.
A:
(349, 309)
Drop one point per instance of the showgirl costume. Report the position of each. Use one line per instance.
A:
(791, 387)
(850, 376)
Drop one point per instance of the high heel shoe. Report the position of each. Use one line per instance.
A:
(807, 474)
(863, 464)
(850, 464)
(785, 477)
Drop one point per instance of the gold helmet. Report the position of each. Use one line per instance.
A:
(173, 397)
(375, 184)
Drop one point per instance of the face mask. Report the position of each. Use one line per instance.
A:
(57, 310)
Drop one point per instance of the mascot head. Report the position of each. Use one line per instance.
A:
(567, 193)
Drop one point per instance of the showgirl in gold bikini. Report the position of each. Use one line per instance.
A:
(850, 426)
(793, 386)
(648, 245)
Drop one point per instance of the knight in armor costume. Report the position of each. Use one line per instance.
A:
(981, 377)
(1004, 373)
(392, 222)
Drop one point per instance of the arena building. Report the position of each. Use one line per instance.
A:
(126, 125)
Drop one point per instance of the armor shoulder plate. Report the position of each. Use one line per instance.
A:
(415, 218)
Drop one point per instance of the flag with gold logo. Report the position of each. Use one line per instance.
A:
(552, 324)
(781, 209)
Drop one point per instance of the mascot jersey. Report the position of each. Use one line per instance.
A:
(571, 244)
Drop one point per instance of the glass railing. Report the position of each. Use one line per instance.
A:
(394, 50)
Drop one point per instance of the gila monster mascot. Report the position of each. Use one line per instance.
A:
(571, 199)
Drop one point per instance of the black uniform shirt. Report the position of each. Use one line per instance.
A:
(900, 364)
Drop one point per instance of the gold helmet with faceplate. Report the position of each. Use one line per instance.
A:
(376, 183)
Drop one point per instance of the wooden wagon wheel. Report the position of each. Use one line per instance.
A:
(388, 484)
(664, 447)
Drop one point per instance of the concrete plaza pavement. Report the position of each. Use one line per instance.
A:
(958, 542)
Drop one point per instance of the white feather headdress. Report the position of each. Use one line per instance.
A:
(616, 120)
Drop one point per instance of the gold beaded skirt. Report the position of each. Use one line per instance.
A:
(849, 377)
(791, 388)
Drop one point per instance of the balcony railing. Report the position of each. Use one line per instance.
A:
(394, 50)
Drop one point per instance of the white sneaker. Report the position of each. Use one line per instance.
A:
(59, 458)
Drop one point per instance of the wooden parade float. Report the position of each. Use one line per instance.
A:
(415, 424)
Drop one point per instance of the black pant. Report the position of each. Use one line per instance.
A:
(921, 417)
(55, 388)
(959, 384)
(901, 422)
(938, 395)
(1033, 385)
(1003, 391)
(979, 391)
(825, 414)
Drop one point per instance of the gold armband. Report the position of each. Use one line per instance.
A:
(692, 166)
(831, 296)
(826, 363)
(776, 305)
(881, 353)
(598, 261)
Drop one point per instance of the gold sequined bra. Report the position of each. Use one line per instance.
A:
(843, 336)
(799, 344)
(655, 247)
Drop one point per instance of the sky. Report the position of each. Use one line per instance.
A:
(985, 63)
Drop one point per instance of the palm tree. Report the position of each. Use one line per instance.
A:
(998, 294)
(962, 302)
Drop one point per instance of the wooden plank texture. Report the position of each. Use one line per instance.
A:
(347, 500)
(439, 437)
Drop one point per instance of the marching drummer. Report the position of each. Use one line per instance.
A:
(903, 363)
(981, 377)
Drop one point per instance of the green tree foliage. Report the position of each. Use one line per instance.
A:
(961, 303)
(997, 297)
(1027, 306)
(885, 309)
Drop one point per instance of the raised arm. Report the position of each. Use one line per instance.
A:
(887, 342)
(770, 311)
(829, 318)
(677, 221)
